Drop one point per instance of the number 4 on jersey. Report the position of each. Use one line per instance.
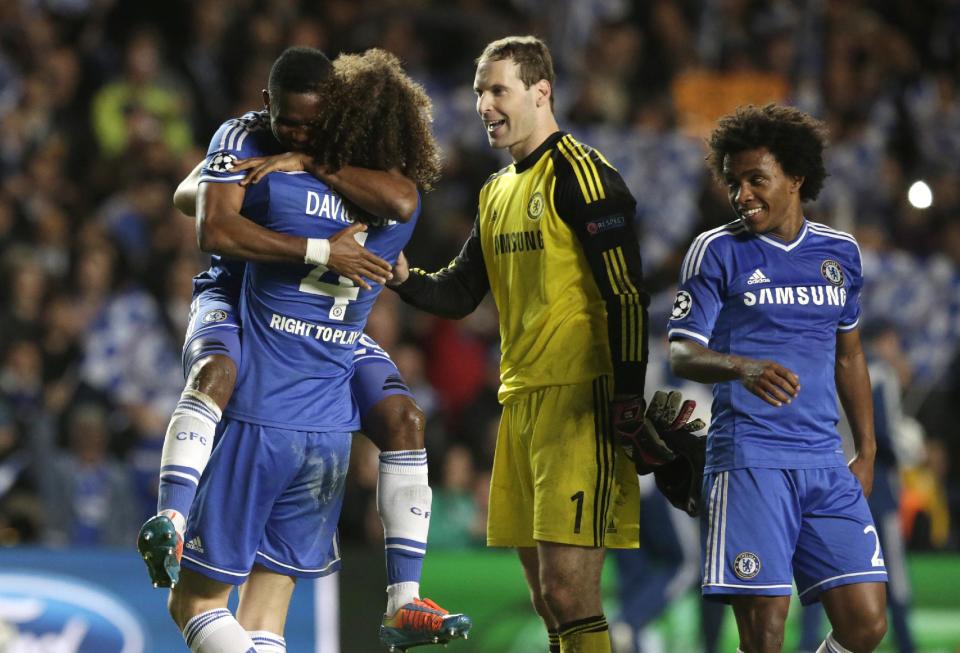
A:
(342, 292)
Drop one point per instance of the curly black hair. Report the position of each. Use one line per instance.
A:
(796, 139)
(375, 116)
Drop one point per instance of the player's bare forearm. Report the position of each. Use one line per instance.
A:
(767, 379)
(853, 387)
(385, 194)
(222, 230)
(695, 362)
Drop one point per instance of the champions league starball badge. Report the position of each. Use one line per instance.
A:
(681, 305)
(222, 162)
(832, 272)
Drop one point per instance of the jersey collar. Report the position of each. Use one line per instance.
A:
(787, 247)
(527, 162)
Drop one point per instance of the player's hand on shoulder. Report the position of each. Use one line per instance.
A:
(401, 271)
(258, 167)
(770, 381)
(350, 259)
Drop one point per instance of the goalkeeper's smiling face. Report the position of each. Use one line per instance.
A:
(291, 116)
(514, 116)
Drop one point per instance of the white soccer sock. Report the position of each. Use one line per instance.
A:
(186, 450)
(403, 501)
(267, 642)
(830, 645)
(216, 631)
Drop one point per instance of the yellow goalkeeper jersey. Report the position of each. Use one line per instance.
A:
(554, 242)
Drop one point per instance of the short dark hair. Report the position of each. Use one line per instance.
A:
(529, 53)
(795, 138)
(299, 70)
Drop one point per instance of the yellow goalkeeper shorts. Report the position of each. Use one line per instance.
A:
(558, 475)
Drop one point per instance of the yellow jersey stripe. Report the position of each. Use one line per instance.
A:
(591, 167)
(618, 252)
(589, 170)
(612, 273)
(625, 326)
(576, 170)
(631, 314)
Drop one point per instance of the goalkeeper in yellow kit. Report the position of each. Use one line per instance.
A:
(554, 242)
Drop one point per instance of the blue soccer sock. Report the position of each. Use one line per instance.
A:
(217, 631)
(403, 501)
(267, 642)
(186, 450)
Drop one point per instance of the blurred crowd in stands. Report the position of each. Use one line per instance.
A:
(105, 105)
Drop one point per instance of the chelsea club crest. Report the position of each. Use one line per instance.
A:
(832, 272)
(214, 316)
(746, 565)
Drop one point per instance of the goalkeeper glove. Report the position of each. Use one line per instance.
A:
(652, 441)
(643, 446)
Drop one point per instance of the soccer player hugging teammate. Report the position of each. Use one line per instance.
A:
(554, 243)
(305, 302)
(768, 311)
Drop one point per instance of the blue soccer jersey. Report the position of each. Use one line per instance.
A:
(758, 297)
(301, 323)
(238, 138)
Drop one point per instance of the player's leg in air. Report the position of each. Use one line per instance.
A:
(211, 358)
(394, 423)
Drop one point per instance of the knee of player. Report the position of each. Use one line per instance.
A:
(215, 376)
(560, 597)
(765, 634)
(866, 632)
(405, 428)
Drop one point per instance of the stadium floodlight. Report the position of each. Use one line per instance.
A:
(920, 196)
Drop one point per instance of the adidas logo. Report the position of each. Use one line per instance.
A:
(757, 277)
(194, 545)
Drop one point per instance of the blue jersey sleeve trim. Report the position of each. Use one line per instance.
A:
(849, 327)
(685, 333)
(218, 180)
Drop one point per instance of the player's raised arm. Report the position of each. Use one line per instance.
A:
(453, 292)
(853, 388)
(386, 194)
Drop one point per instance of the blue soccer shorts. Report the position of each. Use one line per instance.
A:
(768, 527)
(268, 496)
(375, 375)
(213, 328)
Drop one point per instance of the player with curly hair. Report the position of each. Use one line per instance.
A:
(384, 199)
(769, 303)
